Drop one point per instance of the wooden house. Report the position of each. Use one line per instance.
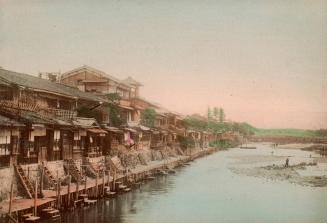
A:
(97, 82)
(47, 110)
(89, 138)
(10, 135)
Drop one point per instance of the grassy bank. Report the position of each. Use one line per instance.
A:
(286, 132)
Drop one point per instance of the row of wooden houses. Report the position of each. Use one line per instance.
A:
(41, 120)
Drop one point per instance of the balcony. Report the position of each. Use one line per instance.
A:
(15, 105)
(133, 123)
(157, 145)
(61, 113)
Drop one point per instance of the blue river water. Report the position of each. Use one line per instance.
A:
(208, 191)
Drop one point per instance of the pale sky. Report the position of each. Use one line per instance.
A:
(264, 62)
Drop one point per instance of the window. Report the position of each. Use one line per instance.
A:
(56, 138)
(4, 150)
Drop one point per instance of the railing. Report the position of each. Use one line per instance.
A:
(133, 123)
(125, 102)
(15, 105)
(61, 113)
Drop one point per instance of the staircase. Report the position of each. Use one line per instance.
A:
(72, 169)
(29, 189)
(89, 168)
(180, 151)
(142, 159)
(164, 154)
(50, 178)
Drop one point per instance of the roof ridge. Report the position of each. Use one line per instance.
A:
(95, 70)
(33, 82)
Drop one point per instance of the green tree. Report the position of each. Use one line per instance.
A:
(86, 112)
(221, 115)
(114, 111)
(195, 123)
(209, 114)
(148, 117)
(215, 113)
(186, 142)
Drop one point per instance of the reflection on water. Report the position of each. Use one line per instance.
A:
(207, 191)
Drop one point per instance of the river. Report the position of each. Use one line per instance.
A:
(208, 191)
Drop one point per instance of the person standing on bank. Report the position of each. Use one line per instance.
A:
(286, 162)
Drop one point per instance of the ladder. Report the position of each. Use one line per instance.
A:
(50, 178)
(90, 170)
(29, 189)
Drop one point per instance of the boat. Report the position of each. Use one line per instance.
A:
(171, 171)
(245, 146)
(248, 147)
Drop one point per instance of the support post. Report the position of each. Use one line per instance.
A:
(35, 198)
(85, 185)
(114, 182)
(103, 182)
(58, 190)
(68, 196)
(11, 196)
(41, 183)
(108, 178)
(77, 190)
(28, 172)
(97, 185)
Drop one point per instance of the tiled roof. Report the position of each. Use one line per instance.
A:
(4, 121)
(85, 122)
(30, 117)
(36, 83)
(131, 81)
(93, 70)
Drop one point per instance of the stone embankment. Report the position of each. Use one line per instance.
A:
(128, 164)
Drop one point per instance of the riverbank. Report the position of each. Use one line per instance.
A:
(306, 167)
(207, 191)
(95, 187)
